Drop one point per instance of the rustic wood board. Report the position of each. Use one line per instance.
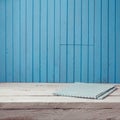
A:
(61, 114)
(31, 101)
(43, 92)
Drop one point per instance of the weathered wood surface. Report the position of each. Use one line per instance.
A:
(31, 92)
(61, 114)
(31, 101)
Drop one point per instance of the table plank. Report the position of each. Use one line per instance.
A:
(43, 92)
(35, 101)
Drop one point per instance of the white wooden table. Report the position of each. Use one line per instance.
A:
(35, 101)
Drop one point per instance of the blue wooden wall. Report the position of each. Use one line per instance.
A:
(60, 41)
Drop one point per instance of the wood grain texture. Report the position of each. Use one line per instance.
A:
(60, 114)
(43, 93)
(60, 41)
(31, 101)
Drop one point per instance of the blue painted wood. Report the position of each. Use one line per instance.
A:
(51, 39)
(63, 68)
(70, 64)
(70, 40)
(111, 41)
(23, 37)
(29, 41)
(117, 41)
(64, 22)
(77, 16)
(91, 21)
(90, 70)
(77, 64)
(70, 21)
(85, 22)
(57, 38)
(104, 74)
(2, 41)
(16, 40)
(36, 41)
(59, 41)
(44, 40)
(9, 41)
(97, 41)
(78, 40)
(84, 64)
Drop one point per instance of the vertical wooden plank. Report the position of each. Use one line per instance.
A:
(63, 21)
(108, 44)
(74, 43)
(23, 40)
(5, 41)
(104, 74)
(90, 40)
(2, 40)
(9, 41)
(84, 40)
(63, 41)
(39, 40)
(77, 40)
(70, 40)
(29, 41)
(16, 39)
(47, 44)
(97, 39)
(70, 22)
(63, 72)
(77, 22)
(67, 41)
(33, 40)
(19, 40)
(77, 63)
(50, 40)
(85, 22)
(88, 43)
(84, 63)
(91, 22)
(117, 41)
(43, 39)
(70, 64)
(57, 38)
(36, 41)
(81, 37)
(101, 41)
(0, 13)
(111, 40)
(0, 36)
(90, 67)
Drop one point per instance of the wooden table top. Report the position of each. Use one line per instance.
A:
(41, 95)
